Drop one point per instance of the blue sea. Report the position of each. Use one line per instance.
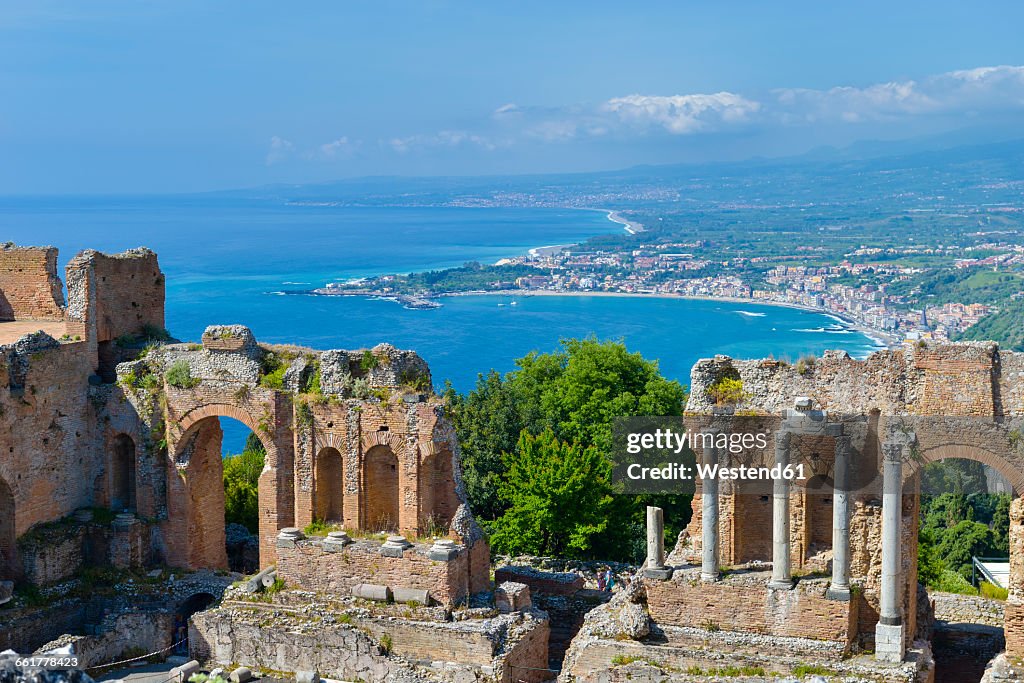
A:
(227, 260)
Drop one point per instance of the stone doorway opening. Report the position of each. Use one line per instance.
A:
(329, 486)
(122, 473)
(221, 494)
(381, 512)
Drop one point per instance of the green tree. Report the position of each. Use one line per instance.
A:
(241, 484)
(576, 392)
(560, 497)
(958, 544)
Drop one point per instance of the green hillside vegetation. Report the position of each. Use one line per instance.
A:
(1005, 327)
(967, 285)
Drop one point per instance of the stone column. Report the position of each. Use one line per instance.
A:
(655, 567)
(782, 576)
(840, 588)
(709, 569)
(889, 630)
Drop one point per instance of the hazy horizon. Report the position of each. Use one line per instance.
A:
(150, 97)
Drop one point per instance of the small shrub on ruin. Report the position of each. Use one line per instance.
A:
(368, 361)
(386, 644)
(727, 391)
(155, 333)
(805, 365)
(361, 389)
(180, 375)
(318, 527)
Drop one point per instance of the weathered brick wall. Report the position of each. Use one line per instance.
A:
(49, 457)
(750, 606)
(119, 294)
(29, 286)
(308, 566)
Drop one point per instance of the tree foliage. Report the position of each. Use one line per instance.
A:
(559, 495)
(959, 519)
(241, 484)
(574, 393)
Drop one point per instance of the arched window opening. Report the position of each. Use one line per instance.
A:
(329, 486)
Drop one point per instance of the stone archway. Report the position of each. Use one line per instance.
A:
(329, 485)
(8, 534)
(122, 473)
(196, 493)
(438, 501)
(381, 499)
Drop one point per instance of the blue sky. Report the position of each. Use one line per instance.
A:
(140, 96)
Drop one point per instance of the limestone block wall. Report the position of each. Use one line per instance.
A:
(968, 609)
(505, 649)
(307, 565)
(939, 379)
(29, 286)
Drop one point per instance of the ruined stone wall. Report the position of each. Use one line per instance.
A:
(499, 650)
(47, 430)
(29, 286)
(116, 294)
(940, 379)
(803, 611)
(968, 609)
(308, 565)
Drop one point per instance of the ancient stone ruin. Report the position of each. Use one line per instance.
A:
(111, 468)
(112, 462)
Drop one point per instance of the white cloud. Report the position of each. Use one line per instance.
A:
(280, 149)
(339, 148)
(683, 114)
(995, 88)
(445, 138)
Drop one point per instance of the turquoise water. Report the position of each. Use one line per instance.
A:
(226, 258)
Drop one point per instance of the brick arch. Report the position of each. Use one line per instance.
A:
(389, 439)
(191, 418)
(381, 483)
(965, 451)
(438, 499)
(196, 492)
(329, 484)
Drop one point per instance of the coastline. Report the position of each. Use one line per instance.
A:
(881, 339)
(632, 227)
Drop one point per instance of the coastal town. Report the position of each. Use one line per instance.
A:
(861, 289)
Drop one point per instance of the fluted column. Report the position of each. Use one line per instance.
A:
(889, 630)
(840, 588)
(709, 569)
(782, 576)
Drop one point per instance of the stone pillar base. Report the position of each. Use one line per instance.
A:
(889, 642)
(838, 594)
(710, 578)
(781, 585)
(659, 573)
